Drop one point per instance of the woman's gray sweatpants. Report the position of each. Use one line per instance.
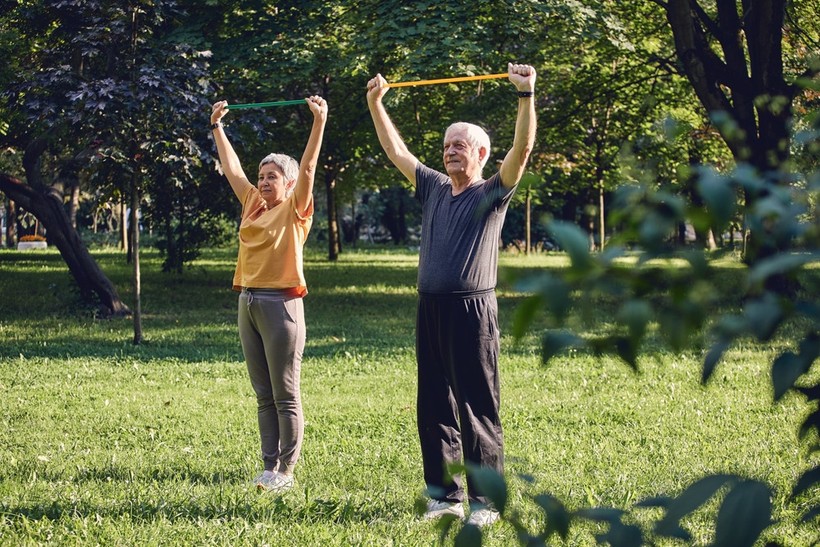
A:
(272, 332)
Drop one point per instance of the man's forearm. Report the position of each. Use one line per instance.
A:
(525, 125)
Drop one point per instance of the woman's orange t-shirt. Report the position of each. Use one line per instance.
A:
(271, 242)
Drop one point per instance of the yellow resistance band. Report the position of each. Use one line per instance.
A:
(449, 80)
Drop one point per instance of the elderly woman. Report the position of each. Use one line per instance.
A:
(277, 215)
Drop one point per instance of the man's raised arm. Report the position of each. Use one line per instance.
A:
(512, 168)
(389, 137)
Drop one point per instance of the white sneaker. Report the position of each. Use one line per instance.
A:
(263, 478)
(269, 481)
(436, 508)
(483, 517)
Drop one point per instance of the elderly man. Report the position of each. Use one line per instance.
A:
(457, 335)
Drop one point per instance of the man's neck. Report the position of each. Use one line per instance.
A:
(462, 181)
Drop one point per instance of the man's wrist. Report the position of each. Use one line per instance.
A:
(216, 125)
(525, 94)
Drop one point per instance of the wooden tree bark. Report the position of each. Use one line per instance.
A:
(11, 223)
(333, 241)
(745, 82)
(135, 248)
(46, 204)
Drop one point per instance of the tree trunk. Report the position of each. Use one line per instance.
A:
(744, 84)
(704, 240)
(47, 206)
(74, 203)
(333, 245)
(135, 254)
(528, 220)
(11, 224)
(601, 215)
(123, 217)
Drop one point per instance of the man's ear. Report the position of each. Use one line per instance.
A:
(482, 153)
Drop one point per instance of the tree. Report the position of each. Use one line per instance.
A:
(733, 58)
(108, 89)
(784, 222)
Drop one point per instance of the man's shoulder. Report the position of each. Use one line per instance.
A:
(430, 173)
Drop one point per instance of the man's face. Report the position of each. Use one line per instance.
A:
(460, 157)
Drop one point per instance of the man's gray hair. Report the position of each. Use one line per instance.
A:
(288, 165)
(476, 136)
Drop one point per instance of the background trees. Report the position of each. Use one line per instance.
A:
(634, 98)
(117, 94)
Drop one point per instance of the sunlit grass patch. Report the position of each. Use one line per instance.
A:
(107, 443)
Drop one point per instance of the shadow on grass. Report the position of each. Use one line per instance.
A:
(334, 321)
(267, 507)
(364, 300)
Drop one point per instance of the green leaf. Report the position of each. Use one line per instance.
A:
(627, 349)
(690, 499)
(445, 524)
(732, 326)
(698, 261)
(745, 512)
(524, 315)
(763, 316)
(554, 342)
(779, 264)
(574, 241)
(635, 314)
(468, 536)
(556, 293)
(719, 196)
(786, 369)
(491, 484)
(558, 518)
(712, 358)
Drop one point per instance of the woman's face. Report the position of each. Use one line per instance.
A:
(272, 184)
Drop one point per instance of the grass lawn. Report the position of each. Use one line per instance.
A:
(103, 442)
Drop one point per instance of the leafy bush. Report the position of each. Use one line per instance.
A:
(779, 297)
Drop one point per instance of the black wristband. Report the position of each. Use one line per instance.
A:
(215, 125)
(526, 93)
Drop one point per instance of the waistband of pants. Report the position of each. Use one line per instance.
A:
(270, 294)
(464, 295)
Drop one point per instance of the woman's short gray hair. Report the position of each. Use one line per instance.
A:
(288, 165)
(476, 136)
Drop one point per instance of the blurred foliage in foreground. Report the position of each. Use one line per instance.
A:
(779, 303)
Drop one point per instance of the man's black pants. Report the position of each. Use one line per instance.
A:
(457, 346)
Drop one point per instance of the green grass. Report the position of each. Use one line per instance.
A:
(106, 443)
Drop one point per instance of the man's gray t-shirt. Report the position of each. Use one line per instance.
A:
(459, 234)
